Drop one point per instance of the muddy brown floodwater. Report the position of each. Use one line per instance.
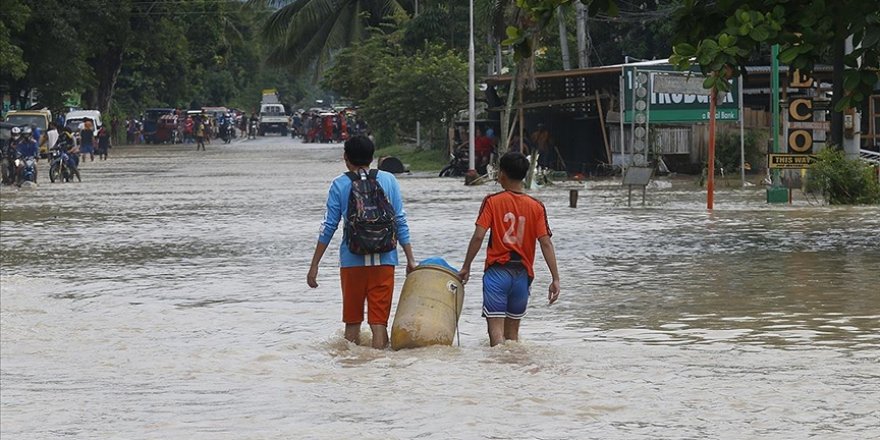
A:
(165, 297)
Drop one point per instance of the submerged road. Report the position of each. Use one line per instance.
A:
(165, 297)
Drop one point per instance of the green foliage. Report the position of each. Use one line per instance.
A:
(137, 54)
(12, 20)
(720, 36)
(416, 159)
(430, 87)
(356, 70)
(306, 32)
(843, 181)
(727, 148)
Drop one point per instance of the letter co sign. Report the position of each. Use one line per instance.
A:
(800, 110)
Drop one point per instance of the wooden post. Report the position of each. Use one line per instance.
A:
(604, 133)
(710, 197)
(522, 118)
(573, 198)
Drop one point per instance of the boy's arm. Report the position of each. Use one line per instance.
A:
(402, 226)
(550, 257)
(328, 228)
(312, 277)
(473, 247)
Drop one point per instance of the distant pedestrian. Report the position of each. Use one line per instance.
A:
(129, 131)
(200, 135)
(114, 130)
(103, 143)
(87, 139)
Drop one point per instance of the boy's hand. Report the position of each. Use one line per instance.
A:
(312, 277)
(553, 293)
(464, 274)
(410, 266)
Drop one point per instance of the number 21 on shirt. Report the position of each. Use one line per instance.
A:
(517, 225)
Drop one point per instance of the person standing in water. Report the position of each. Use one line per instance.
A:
(365, 278)
(517, 221)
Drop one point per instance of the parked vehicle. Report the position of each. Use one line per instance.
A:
(166, 129)
(62, 167)
(151, 123)
(76, 117)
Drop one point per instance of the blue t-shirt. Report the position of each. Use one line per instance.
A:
(28, 148)
(337, 207)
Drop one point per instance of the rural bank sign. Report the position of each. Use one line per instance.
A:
(690, 105)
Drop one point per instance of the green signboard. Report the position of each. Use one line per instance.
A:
(665, 107)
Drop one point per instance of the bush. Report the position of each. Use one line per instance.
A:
(843, 181)
(727, 149)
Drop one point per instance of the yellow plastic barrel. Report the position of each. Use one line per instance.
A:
(428, 309)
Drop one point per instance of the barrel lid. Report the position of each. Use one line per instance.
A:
(438, 267)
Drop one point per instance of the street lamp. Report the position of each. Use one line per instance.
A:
(471, 104)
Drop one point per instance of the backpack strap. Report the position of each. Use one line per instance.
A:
(358, 176)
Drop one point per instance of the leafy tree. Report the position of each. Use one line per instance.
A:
(306, 32)
(15, 14)
(720, 36)
(356, 70)
(430, 87)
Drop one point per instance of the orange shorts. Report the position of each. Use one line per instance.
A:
(373, 284)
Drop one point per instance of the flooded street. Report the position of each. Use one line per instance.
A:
(165, 297)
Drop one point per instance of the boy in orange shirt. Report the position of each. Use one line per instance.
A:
(517, 222)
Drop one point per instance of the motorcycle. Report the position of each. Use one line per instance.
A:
(226, 133)
(252, 129)
(28, 167)
(61, 167)
(458, 163)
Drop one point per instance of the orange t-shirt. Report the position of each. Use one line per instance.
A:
(516, 222)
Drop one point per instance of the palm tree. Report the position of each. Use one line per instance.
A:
(304, 32)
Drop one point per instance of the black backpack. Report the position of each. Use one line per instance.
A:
(370, 227)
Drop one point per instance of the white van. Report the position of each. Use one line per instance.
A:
(76, 117)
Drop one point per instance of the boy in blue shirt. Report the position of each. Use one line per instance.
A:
(365, 278)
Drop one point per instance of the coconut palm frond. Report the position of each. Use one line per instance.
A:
(299, 55)
(339, 35)
(278, 23)
(307, 32)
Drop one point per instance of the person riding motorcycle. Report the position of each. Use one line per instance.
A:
(255, 122)
(27, 147)
(67, 142)
(9, 153)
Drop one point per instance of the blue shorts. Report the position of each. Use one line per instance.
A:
(505, 291)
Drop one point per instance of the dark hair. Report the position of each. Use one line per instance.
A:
(359, 150)
(514, 165)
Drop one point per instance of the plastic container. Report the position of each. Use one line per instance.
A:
(429, 308)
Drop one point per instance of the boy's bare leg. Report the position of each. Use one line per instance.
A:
(511, 329)
(353, 333)
(496, 330)
(380, 335)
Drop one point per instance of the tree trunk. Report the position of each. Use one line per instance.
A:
(583, 53)
(563, 38)
(107, 69)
